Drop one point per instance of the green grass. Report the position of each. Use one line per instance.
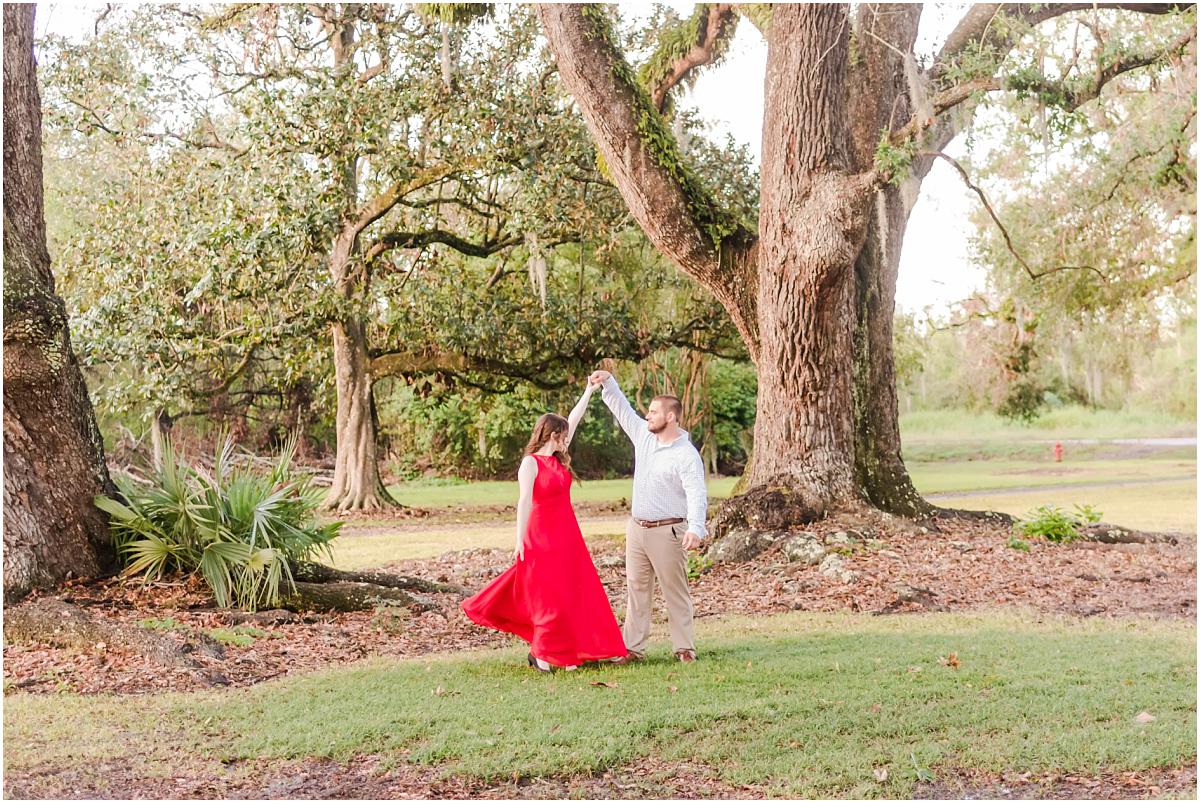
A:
(1158, 507)
(423, 493)
(950, 477)
(1168, 505)
(804, 705)
(934, 476)
(1064, 423)
(381, 544)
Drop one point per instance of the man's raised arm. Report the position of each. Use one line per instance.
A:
(633, 424)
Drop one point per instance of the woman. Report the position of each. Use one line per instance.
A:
(551, 596)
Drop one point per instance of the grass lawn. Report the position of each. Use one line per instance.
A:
(1167, 506)
(930, 477)
(440, 493)
(977, 475)
(804, 705)
(1062, 424)
(379, 547)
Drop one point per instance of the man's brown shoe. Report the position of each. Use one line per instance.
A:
(685, 656)
(627, 658)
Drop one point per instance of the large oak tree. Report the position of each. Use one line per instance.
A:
(852, 124)
(53, 453)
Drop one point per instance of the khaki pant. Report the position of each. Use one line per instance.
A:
(649, 553)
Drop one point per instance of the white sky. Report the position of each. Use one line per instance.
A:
(935, 266)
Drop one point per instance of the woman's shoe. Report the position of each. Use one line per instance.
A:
(536, 664)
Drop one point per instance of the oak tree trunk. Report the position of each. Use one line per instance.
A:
(356, 482)
(811, 225)
(880, 468)
(53, 452)
(881, 98)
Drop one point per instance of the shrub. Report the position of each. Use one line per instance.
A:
(239, 529)
(1056, 525)
(1019, 544)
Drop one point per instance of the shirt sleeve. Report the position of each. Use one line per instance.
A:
(691, 474)
(633, 424)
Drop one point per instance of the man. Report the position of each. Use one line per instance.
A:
(668, 511)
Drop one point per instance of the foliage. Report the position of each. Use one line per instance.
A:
(894, 161)
(675, 38)
(1114, 275)
(1055, 525)
(1019, 544)
(697, 564)
(239, 529)
(220, 306)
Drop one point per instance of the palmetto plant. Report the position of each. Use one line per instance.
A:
(238, 528)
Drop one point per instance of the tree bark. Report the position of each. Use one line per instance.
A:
(356, 481)
(811, 225)
(880, 99)
(345, 597)
(53, 451)
(320, 573)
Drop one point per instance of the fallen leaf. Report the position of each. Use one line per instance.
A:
(605, 684)
(876, 708)
(672, 689)
(950, 660)
(1144, 718)
(881, 774)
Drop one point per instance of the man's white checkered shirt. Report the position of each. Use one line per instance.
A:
(668, 480)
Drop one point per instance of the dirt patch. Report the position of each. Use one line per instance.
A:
(969, 784)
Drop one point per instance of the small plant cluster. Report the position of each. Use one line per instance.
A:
(1053, 524)
(238, 528)
(697, 565)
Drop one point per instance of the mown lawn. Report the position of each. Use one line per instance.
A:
(803, 705)
(929, 476)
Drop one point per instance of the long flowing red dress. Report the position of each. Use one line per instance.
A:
(552, 599)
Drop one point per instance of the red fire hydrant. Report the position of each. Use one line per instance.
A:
(1057, 452)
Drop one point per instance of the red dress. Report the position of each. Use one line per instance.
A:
(553, 598)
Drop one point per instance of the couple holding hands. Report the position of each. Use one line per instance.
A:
(552, 596)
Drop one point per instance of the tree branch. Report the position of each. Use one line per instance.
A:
(980, 26)
(711, 27)
(1071, 93)
(420, 239)
(664, 195)
(1034, 275)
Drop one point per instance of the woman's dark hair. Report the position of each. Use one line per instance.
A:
(546, 427)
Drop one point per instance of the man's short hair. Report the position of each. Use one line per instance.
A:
(672, 404)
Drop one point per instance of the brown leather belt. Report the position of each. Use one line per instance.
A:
(649, 525)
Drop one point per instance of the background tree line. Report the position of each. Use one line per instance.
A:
(195, 198)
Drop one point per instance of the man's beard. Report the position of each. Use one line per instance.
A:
(655, 430)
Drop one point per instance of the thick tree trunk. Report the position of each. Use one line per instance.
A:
(53, 452)
(811, 226)
(356, 482)
(881, 99)
(880, 467)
